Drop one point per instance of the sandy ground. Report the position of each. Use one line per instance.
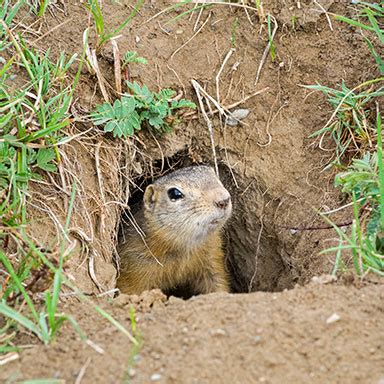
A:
(313, 334)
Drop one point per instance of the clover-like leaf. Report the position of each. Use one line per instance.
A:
(44, 159)
(183, 103)
(126, 115)
(132, 57)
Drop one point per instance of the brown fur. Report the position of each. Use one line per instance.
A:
(178, 248)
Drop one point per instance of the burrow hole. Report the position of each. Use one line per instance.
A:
(252, 249)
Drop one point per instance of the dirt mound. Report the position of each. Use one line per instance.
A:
(316, 334)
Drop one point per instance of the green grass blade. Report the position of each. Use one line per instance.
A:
(136, 9)
(116, 324)
(9, 312)
(338, 257)
(354, 23)
(9, 268)
(381, 167)
(375, 26)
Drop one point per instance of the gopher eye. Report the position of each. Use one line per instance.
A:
(174, 194)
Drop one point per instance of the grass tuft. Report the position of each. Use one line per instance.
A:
(355, 127)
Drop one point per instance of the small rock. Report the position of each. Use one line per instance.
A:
(333, 318)
(12, 77)
(179, 31)
(236, 115)
(137, 39)
(156, 377)
(131, 372)
(218, 332)
(2, 60)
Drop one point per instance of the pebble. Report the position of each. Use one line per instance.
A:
(236, 115)
(218, 332)
(156, 377)
(333, 318)
(2, 60)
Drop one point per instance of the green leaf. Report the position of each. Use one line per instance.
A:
(132, 57)
(44, 158)
(156, 121)
(110, 126)
(128, 104)
(167, 94)
(129, 113)
(183, 103)
(7, 311)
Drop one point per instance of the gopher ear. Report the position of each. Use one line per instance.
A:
(150, 197)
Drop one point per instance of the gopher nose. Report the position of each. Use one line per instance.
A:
(223, 203)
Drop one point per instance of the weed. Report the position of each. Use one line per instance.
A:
(364, 181)
(141, 107)
(272, 48)
(135, 349)
(132, 57)
(46, 322)
(31, 123)
(7, 14)
(371, 13)
(103, 34)
(43, 7)
(350, 128)
(32, 117)
(294, 22)
(235, 27)
(353, 131)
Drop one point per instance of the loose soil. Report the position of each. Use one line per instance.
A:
(274, 172)
(220, 338)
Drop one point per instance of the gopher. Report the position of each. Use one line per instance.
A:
(179, 244)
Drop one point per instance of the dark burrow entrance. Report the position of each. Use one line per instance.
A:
(253, 249)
